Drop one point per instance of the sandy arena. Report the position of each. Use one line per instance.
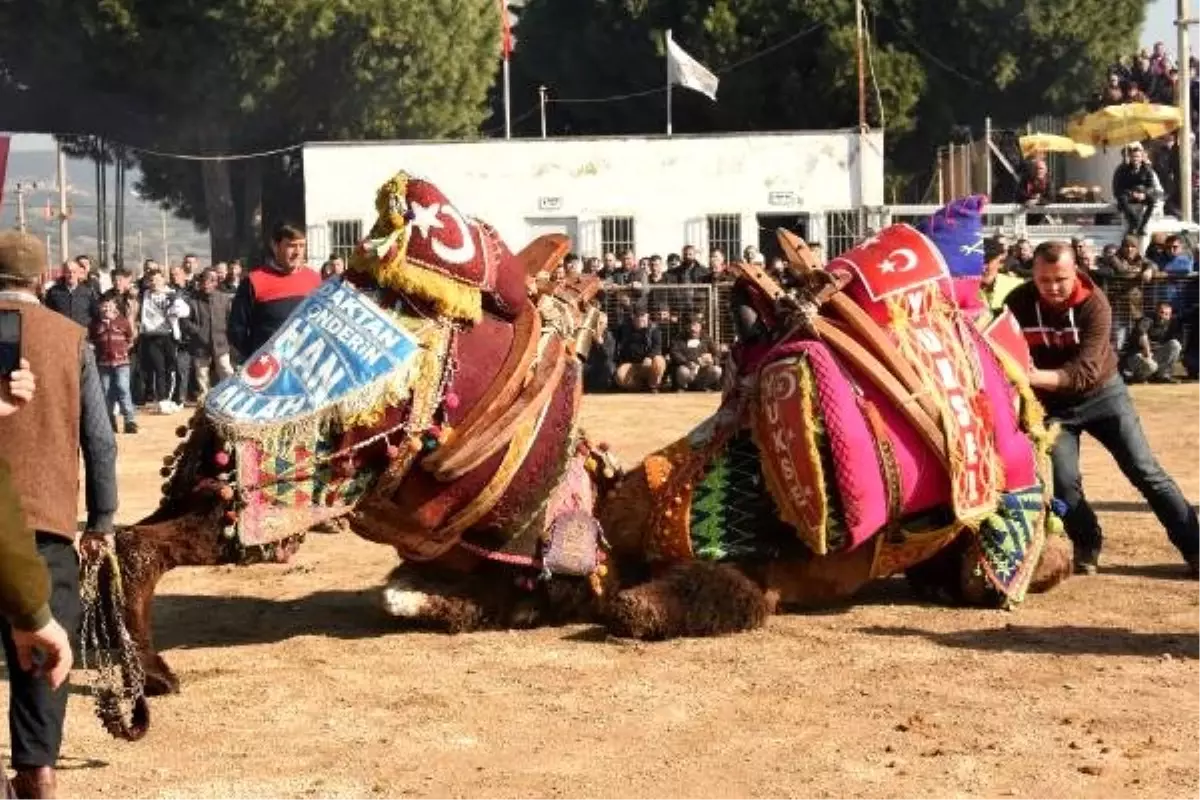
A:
(295, 685)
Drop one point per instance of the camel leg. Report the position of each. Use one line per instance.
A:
(692, 599)
(146, 553)
(458, 593)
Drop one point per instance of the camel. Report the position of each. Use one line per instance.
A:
(505, 514)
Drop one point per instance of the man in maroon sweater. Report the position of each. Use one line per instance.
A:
(1066, 321)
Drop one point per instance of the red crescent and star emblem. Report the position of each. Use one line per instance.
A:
(261, 372)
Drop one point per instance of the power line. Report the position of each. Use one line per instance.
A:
(724, 70)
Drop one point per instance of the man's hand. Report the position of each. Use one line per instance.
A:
(1046, 379)
(17, 389)
(706, 360)
(646, 362)
(51, 642)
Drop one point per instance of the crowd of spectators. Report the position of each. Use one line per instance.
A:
(1152, 292)
(160, 338)
(655, 334)
(1150, 76)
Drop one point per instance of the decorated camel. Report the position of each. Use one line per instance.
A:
(431, 400)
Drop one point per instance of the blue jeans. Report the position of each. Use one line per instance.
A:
(1109, 416)
(115, 382)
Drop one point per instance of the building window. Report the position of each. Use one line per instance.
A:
(725, 234)
(617, 235)
(344, 236)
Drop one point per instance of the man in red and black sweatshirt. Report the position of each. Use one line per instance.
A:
(267, 296)
(1066, 321)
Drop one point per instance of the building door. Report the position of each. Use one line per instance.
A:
(768, 244)
(539, 226)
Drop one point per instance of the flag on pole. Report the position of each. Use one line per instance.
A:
(506, 40)
(688, 72)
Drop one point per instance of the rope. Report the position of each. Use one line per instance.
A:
(119, 687)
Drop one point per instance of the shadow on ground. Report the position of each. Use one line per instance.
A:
(1065, 640)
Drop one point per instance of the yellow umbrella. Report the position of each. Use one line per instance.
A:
(1052, 143)
(1122, 124)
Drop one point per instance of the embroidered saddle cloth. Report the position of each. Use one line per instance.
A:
(337, 363)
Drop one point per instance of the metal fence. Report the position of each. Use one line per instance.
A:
(673, 306)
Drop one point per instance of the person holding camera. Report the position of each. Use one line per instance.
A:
(41, 446)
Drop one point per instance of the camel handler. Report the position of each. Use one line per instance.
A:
(1066, 321)
(42, 646)
(41, 446)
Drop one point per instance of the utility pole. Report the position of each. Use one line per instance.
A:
(542, 106)
(21, 207)
(859, 14)
(166, 263)
(1183, 22)
(63, 237)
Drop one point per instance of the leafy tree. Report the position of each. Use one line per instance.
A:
(938, 65)
(252, 75)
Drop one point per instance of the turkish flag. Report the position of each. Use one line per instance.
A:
(4, 142)
(896, 260)
(1005, 335)
(506, 41)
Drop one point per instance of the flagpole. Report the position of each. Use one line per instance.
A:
(668, 81)
(507, 102)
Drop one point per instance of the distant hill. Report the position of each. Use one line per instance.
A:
(41, 167)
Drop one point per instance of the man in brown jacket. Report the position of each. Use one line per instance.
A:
(1066, 321)
(42, 446)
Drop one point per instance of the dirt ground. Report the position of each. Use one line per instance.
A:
(295, 685)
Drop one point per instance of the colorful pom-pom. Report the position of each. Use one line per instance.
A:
(181, 431)
(225, 493)
(393, 452)
(415, 445)
(165, 472)
(231, 516)
(221, 459)
(450, 401)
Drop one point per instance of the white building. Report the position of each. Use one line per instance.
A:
(651, 193)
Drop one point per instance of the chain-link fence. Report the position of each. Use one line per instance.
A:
(673, 306)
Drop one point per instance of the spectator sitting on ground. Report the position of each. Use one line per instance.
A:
(695, 360)
(601, 366)
(1136, 190)
(640, 362)
(72, 296)
(1154, 348)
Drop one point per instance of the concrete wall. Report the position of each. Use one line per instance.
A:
(525, 187)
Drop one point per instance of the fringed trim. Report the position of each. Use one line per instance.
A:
(363, 406)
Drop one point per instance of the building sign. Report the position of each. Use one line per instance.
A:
(550, 203)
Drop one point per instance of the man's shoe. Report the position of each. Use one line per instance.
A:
(131, 427)
(1086, 562)
(35, 782)
(1164, 379)
(1193, 567)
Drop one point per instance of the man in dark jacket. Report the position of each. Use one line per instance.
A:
(640, 362)
(1136, 190)
(269, 294)
(205, 331)
(1066, 321)
(73, 296)
(42, 446)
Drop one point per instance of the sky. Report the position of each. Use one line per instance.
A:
(1159, 27)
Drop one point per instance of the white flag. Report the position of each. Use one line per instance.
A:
(686, 71)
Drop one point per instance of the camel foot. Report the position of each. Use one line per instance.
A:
(695, 599)
(160, 678)
(1055, 566)
(422, 601)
